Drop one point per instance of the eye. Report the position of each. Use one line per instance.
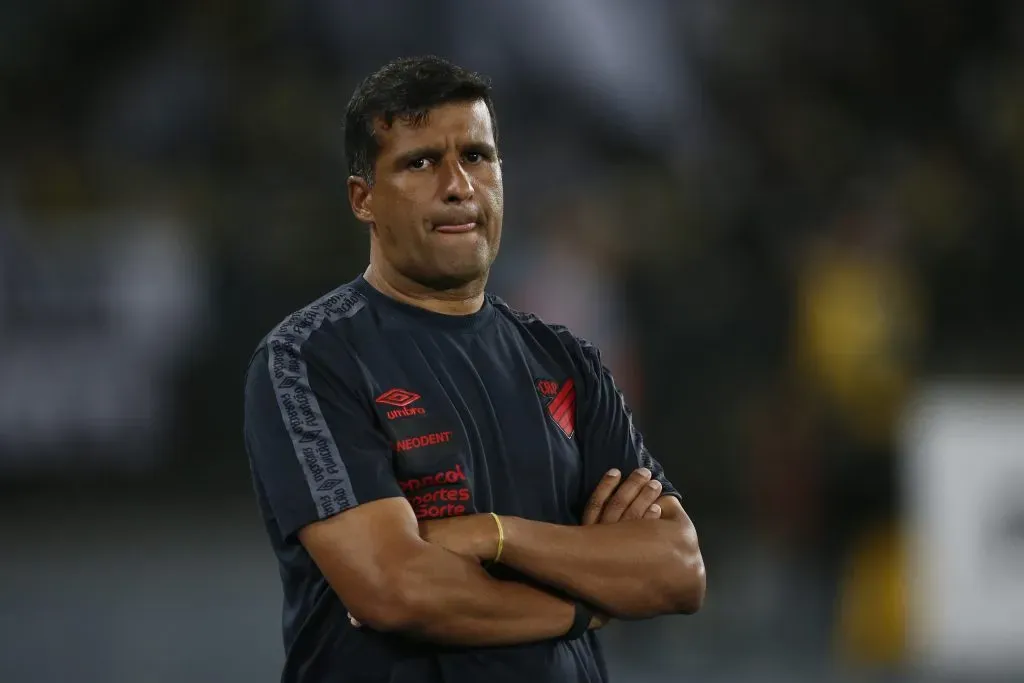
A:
(419, 164)
(474, 157)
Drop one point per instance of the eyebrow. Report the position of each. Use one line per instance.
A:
(485, 148)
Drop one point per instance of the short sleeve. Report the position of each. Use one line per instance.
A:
(313, 446)
(608, 437)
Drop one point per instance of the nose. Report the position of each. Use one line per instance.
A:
(456, 183)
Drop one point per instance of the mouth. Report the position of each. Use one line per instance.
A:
(455, 228)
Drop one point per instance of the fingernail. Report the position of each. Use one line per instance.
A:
(654, 484)
(655, 508)
(645, 473)
(614, 473)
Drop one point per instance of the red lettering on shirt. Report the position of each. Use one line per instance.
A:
(415, 442)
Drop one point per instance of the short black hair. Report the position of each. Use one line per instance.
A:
(406, 89)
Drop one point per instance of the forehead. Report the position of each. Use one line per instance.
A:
(452, 123)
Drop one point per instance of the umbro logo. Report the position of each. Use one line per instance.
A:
(402, 401)
(398, 397)
(561, 403)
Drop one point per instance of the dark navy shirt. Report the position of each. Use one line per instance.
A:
(358, 397)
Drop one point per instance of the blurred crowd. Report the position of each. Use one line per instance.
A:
(776, 218)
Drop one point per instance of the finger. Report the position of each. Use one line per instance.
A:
(653, 512)
(650, 492)
(352, 620)
(600, 496)
(625, 495)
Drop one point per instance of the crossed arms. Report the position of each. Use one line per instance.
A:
(635, 556)
(627, 559)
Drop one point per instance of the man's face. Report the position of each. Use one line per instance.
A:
(436, 203)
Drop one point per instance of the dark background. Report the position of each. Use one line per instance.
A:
(783, 221)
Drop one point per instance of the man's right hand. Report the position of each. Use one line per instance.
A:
(614, 500)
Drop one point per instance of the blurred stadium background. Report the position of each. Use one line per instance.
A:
(795, 228)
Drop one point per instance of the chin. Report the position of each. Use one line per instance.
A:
(451, 271)
(451, 276)
(448, 281)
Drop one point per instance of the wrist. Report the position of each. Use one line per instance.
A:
(490, 538)
(494, 548)
(583, 621)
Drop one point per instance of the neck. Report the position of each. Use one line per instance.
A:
(464, 300)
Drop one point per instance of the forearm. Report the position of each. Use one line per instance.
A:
(449, 599)
(630, 570)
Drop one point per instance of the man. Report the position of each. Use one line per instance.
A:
(439, 474)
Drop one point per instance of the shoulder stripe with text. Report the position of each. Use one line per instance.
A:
(315, 447)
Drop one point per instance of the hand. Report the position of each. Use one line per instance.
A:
(470, 535)
(598, 621)
(634, 498)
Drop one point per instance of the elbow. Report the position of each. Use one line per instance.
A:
(382, 612)
(398, 604)
(384, 618)
(687, 585)
(689, 594)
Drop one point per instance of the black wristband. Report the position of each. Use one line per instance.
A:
(581, 623)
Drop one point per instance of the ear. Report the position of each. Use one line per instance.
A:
(360, 198)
